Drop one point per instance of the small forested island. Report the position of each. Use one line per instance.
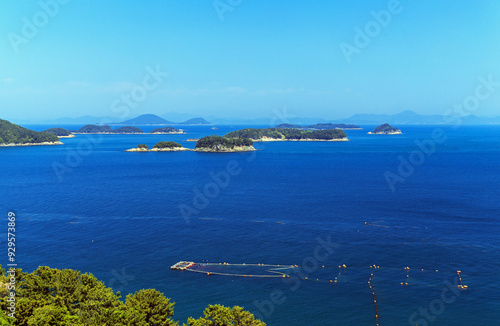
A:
(50, 296)
(15, 135)
(320, 126)
(167, 130)
(94, 129)
(60, 132)
(163, 146)
(218, 144)
(385, 129)
(128, 130)
(290, 134)
(105, 129)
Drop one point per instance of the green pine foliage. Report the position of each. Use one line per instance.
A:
(256, 134)
(216, 141)
(385, 128)
(142, 146)
(217, 315)
(49, 296)
(11, 133)
(287, 134)
(94, 129)
(151, 307)
(128, 130)
(167, 144)
(58, 131)
(164, 130)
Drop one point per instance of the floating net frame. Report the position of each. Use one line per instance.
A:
(278, 271)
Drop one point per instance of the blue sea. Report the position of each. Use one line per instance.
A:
(428, 200)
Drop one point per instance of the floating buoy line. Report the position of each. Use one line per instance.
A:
(284, 271)
(374, 298)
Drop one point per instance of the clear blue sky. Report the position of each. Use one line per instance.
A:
(263, 55)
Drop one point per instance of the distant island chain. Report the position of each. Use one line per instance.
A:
(235, 141)
(242, 140)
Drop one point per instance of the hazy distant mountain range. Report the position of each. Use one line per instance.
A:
(402, 118)
(144, 119)
(412, 118)
(152, 119)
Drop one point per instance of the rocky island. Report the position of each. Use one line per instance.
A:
(128, 130)
(15, 135)
(167, 131)
(163, 146)
(288, 134)
(105, 129)
(60, 132)
(385, 129)
(218, 144)
(94, 129)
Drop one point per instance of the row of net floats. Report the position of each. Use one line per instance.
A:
(245, 275)
(341, 267)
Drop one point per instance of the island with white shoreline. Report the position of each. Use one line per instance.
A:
(385, 129)
(163, 146)
(288, 134)
(218, 144)
(15, 135)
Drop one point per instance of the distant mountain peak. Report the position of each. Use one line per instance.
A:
(196, 121)
(147, 119)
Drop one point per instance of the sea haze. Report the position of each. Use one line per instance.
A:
(116, 215)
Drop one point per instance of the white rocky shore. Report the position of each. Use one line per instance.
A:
(32, 144)
(263, 139)
(385, 129)
(172, 149)
(223, 149)
(397, 132)
(180, 132)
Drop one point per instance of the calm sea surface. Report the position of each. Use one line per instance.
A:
(90, 206)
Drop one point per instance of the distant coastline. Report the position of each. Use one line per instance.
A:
(320, 126)
(127, 130)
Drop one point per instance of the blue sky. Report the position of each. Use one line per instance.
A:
(246, 58)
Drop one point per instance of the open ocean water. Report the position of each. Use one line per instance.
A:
(116, 215)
